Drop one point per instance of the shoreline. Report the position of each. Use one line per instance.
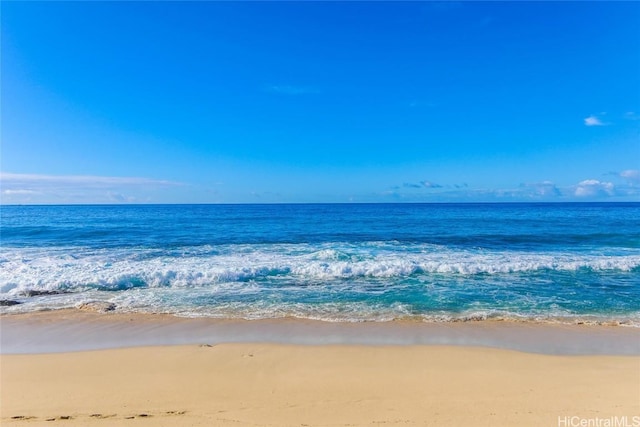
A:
(69, 330)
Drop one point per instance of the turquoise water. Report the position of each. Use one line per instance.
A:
(334, 262)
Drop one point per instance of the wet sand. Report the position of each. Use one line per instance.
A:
(76, 330)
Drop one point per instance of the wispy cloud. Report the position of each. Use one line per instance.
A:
(541, 189)
(291, 89)
(38, 188)
(11, 192)
(418, 185)
(630, 115)
(85, 180)
(411, 185)
(593, 120)
(120, 198)
(632, 176)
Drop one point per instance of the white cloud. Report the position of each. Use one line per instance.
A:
(631, 175)
(630, 115)
(593, 120)
(428, 184)
(594, 188)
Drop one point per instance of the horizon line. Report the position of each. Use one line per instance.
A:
(326, 203)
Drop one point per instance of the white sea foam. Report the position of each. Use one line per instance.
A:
(74, 269)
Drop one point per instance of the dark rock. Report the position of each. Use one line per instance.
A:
(8, 303)
(34, 293)
(100, 306)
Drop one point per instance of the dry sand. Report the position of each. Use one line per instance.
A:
(292, 385)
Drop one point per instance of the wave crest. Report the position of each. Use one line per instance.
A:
(73, 269)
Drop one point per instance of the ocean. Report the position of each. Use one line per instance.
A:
(571, 263)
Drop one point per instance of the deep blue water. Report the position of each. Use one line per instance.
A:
(346, 262)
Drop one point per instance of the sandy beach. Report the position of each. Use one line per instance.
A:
(271, 384)
(283, 385)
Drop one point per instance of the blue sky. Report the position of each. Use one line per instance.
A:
(239, 102)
